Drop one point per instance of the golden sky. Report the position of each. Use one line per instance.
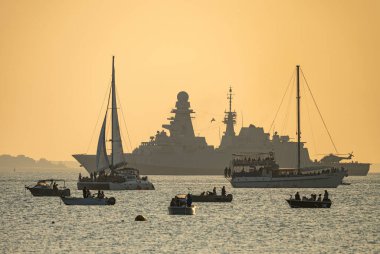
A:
(55, 69)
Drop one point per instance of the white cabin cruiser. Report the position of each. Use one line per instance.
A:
(112, 173)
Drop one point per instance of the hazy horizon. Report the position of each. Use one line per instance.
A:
(56, 69)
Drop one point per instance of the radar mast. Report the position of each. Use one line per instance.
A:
(230, 117)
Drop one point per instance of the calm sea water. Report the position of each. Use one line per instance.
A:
(257, 221)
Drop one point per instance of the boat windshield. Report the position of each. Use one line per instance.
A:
(42, 183)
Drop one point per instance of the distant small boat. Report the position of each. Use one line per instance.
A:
(88, 201)
(49, 187)
(309, 203)
(212, 198)
(180, 207)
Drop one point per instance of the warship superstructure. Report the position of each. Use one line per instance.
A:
(181, 152)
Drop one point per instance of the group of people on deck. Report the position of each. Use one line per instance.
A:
(313, 197)
(224, 193)
(100, 177)
(87, 193)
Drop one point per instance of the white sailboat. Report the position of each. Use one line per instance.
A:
(113, 173)
(255, 172)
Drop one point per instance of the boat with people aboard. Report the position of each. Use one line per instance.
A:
(212, 196)
(312, 202)
(255, 171)
(181, 204)
(259, 170)
(89, 199)
(49, 187)
(113, 173)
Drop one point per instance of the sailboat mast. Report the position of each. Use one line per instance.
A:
(298, 120)
(113, 110)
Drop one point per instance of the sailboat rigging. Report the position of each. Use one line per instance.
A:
(120, 177)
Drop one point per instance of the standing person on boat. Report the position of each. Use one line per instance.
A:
(189, 200)
(326, 196)
(84, 192)
(297, 196)
(214, 191)
(223, 191)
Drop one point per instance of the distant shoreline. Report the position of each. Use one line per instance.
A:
(9, 162)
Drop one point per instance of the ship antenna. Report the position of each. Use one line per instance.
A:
(230, 98)
(298, 121)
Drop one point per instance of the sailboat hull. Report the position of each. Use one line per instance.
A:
(128, 185)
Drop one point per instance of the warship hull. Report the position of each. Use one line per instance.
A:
(141, 185)
(356, 169)
(208, 164)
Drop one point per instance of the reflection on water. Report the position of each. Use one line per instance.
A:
(258, 220)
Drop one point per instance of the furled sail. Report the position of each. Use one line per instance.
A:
(117, 146)
(101, 153)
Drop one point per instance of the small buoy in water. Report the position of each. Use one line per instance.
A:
(122, 220)
(140, 218)
(52, 222)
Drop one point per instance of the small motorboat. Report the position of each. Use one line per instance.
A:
(88, 201)
(212, 198)
(180, 206)
(309, 203)
(49, 187)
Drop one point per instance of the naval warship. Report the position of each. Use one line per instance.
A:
(181, 152)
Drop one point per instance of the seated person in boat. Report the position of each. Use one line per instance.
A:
(100, 194)
(319, 198)
(214, 191)
(203, 193)
(173, 203)
(297, 196)
(86, 192)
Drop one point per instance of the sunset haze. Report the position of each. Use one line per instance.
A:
(55, 70)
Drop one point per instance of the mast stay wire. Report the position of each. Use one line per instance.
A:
(320, 114)
(304, 94)
(125, 124)
(282, 100)
(97, 121)
(286, 117)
